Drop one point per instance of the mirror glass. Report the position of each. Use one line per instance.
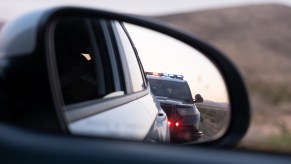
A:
(160, 53)
(124, 81)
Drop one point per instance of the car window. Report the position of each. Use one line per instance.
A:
(83, 66)
(170, 89)
(134, 67)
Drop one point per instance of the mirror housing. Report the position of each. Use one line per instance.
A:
(38, 88)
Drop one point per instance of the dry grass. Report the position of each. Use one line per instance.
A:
(212, 120)
(257, 39)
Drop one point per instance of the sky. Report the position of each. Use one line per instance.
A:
(163, 54)
(13, 8)
(200, 81)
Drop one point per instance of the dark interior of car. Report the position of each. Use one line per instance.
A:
(77, 73)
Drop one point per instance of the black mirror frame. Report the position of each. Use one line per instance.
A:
(238, 96)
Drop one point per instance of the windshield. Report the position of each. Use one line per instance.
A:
(170, 89)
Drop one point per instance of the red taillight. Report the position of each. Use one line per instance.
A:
(177, 124)
(169, 123)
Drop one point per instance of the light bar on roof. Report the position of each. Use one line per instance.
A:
(180, 77)
(174, 76)
(155, 74)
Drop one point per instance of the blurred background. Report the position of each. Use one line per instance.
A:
(254, 34)
(257, 38)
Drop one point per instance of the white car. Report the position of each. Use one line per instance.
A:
(95, 84)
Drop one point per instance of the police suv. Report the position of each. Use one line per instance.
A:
(175, 97)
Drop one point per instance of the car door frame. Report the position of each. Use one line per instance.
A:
(88, 109)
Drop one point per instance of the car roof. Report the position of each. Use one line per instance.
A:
(165, 78)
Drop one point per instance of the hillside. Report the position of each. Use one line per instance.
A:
(257, 38)
(1, 24)
(215, 105)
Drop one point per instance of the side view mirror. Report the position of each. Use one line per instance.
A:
(82, 72)
(198, 98)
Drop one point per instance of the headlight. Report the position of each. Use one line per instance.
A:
(187, 111)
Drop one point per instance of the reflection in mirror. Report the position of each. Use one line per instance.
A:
(103, 84)
(172, 66)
